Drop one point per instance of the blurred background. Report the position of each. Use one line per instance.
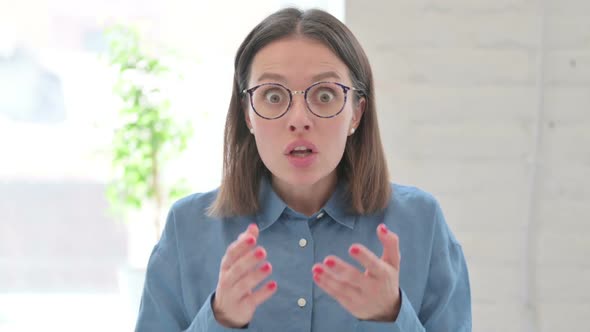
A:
(485, 104)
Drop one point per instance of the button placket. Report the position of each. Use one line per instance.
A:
(303, 240)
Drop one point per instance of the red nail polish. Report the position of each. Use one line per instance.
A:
(355, 250)
(316, 277)
(250, 240)
(259, 253)
(330, 262)
(318, 270)
(383, 229)
(266, 267)
(271, 285)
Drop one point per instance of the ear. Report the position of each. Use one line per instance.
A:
(246, 111)
(357, 112)
(247, 118)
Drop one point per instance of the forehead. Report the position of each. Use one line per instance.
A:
(297, 60)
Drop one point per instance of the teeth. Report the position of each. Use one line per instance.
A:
(300, 148)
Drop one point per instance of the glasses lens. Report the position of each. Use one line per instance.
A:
(325, 99)
(270, 100)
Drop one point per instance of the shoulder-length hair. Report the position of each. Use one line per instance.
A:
(363, 165)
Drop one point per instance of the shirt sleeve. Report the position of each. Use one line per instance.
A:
(407, 320)
(446, 304)
(162, 307)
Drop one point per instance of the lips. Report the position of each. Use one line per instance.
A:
(300, 146)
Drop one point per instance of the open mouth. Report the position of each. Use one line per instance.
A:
(301, 152)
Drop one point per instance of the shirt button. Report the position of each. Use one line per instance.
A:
(301, 302)
(302, 242)
(320, 215)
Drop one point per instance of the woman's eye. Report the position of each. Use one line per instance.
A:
(326, 96)
(273, 97)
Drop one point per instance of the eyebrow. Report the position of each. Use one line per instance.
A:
(316, 78)
(328, 74)
(272, 76)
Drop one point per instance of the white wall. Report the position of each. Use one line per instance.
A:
(486, 104)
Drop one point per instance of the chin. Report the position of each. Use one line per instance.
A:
(294, 176)
(298, 177)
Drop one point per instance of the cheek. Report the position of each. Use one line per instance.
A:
(341, 127)
(334, 137)
(266, 135)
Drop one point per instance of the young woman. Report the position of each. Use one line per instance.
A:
(305, 232)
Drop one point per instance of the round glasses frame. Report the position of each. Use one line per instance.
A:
(345, 89)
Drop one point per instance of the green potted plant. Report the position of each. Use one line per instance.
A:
(145, 139)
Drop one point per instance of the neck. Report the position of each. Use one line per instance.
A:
(306, 199)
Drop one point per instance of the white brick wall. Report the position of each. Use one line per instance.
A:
(486, 104)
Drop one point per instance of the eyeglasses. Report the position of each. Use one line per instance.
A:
(323, 99)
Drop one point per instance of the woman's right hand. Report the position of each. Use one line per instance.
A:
(243, 267)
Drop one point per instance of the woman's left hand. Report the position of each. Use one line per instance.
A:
(370, 295)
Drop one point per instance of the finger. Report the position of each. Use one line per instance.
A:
(340, 291)
(244, 265)
(253, 229)
(261, 295)
(354, 286)
(390, 241)
(252, 279)
(239, 247)
(344, 271)
(374, 266)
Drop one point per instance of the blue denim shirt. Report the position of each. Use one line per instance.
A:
(184, 266)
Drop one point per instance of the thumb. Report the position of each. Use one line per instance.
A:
(390, 241)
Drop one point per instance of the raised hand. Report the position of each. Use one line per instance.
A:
(370, 295)
(243, 268)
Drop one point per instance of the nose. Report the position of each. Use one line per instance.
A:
(299, 117)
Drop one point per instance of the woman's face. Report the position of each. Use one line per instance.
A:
(300, 148)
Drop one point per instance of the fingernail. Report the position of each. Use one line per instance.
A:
(266, 267)
(271, 285)
(383, 229)
(330, 262)
(355, 250)
(316, 277)
(259, 253)
(250, 240)
(318, 270)
(251, 226)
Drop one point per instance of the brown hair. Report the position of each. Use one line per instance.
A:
(363, 164)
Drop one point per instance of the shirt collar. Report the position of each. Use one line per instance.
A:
(338, 206)
(272, 206)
